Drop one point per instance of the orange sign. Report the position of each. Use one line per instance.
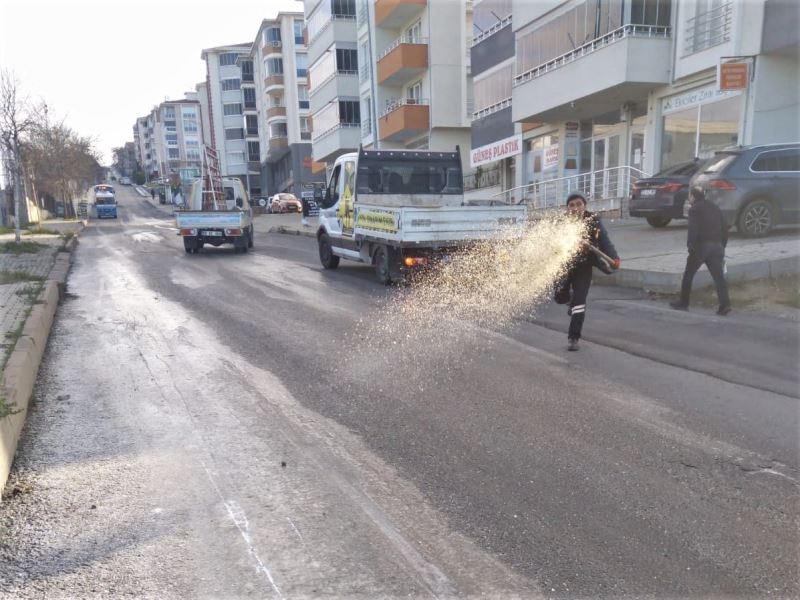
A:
(733, 76)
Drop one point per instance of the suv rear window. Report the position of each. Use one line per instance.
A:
(777, 160)
(683, 169)
(719, 162)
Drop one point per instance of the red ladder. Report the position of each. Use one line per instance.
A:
(213, 194)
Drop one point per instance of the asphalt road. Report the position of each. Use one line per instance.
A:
(210, 425)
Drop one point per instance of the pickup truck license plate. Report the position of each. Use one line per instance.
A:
(651, 192)
(211, 233)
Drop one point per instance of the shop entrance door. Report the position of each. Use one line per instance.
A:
(605, 156)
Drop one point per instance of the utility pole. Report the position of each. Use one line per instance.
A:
(17, 188)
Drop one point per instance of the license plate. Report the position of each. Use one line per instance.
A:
(648, 192)
(211, 233)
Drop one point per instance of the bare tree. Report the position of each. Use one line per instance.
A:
(16, 119)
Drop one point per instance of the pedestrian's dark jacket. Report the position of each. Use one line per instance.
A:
(597, 236)
(706, 225)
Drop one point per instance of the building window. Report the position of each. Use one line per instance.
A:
(192, 154)
(192, 143)
(230, 110)
(253, 151)
(173, 153)
(305, 124)
(235, 133)
(189, 113)
(344, 112)
(228, 59)
(301, 61)
(274, 66)
(249, 95)
(302, 96)
(298, 33)
(414, 93)
(235, 158)
(277, 130)
(273, 34)
(699, 131)
(251, 124)
(347, 61)
(231, 84)
(170, 126)
(190, 126)
(328, 9)
(494, 88)
(276, 101)
(350, 112)
(247, 70)
(414, 33)
(172, 139)
(169, 112)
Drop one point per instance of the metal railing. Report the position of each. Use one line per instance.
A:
(403, 39)
(395, 103)
(626, 31)
(708, 29)
(497, 106)
(316, 136)
(492, 30)
(605, 189)
(482, 179)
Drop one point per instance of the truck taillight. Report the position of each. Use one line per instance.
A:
(233, 231)
(188, 231)
(415, 261)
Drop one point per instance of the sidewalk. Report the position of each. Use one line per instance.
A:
(652, 259)
(33, 276)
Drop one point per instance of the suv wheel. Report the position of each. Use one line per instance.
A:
(756, 219)
(658, 221)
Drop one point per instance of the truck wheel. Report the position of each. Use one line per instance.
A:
(188, 244)
(382, 265)
(326, 256)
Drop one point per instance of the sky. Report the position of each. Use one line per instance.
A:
(101, 64)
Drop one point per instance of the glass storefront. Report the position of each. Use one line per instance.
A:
(697, 124)
(541, 158)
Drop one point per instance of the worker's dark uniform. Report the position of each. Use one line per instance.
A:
(574, 287)
(706, 240)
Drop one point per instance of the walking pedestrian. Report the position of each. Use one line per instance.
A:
(574, 287)
(706, 241)
(152, 193)
(304, 202)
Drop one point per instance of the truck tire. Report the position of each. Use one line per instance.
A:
(189, 244)
(326, 256)
(383, 267)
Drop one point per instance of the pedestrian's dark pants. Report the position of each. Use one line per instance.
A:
(578, 281)
(712, 254)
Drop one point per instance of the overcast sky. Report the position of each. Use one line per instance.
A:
(101, 64)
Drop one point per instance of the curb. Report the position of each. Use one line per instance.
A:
(22, 367)
(291, 231)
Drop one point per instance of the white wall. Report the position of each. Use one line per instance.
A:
(775, 101)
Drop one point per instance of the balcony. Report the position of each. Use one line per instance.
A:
(271, 47)
(276, 111)
(403, 120)
(272, 81)
(344, 137)
(278, 146)
(253, 166)
(340, 27)
(622, 66)
(391, 14)
(343, 84)
(402, 61)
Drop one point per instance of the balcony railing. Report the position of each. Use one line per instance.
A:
(497, 106)
(606, 189)
(626, 31)
(708, 29)
(337, 127)
(395, 103)
(403, 39)
(492, 30)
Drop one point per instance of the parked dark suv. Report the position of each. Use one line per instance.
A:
(660, 198)
(757, 187)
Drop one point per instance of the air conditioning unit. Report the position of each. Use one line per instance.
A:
(276, 44)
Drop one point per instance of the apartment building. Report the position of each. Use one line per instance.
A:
(282, 117)
(226, 106)
(605, 91)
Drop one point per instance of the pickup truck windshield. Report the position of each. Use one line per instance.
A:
(409, 177)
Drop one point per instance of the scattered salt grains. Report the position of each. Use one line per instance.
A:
(443, 313)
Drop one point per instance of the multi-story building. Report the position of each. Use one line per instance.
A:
(604, 91)
(333, 77)
(381, 80)
(225, 99)
(282, 117)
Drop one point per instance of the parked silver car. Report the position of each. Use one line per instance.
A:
(757, 187)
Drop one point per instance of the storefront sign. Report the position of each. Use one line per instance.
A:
(694, 98)
(733, 76)
(550, 157)
(496, 151)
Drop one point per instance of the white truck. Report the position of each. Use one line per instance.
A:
(401, 210)
(216, 217)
